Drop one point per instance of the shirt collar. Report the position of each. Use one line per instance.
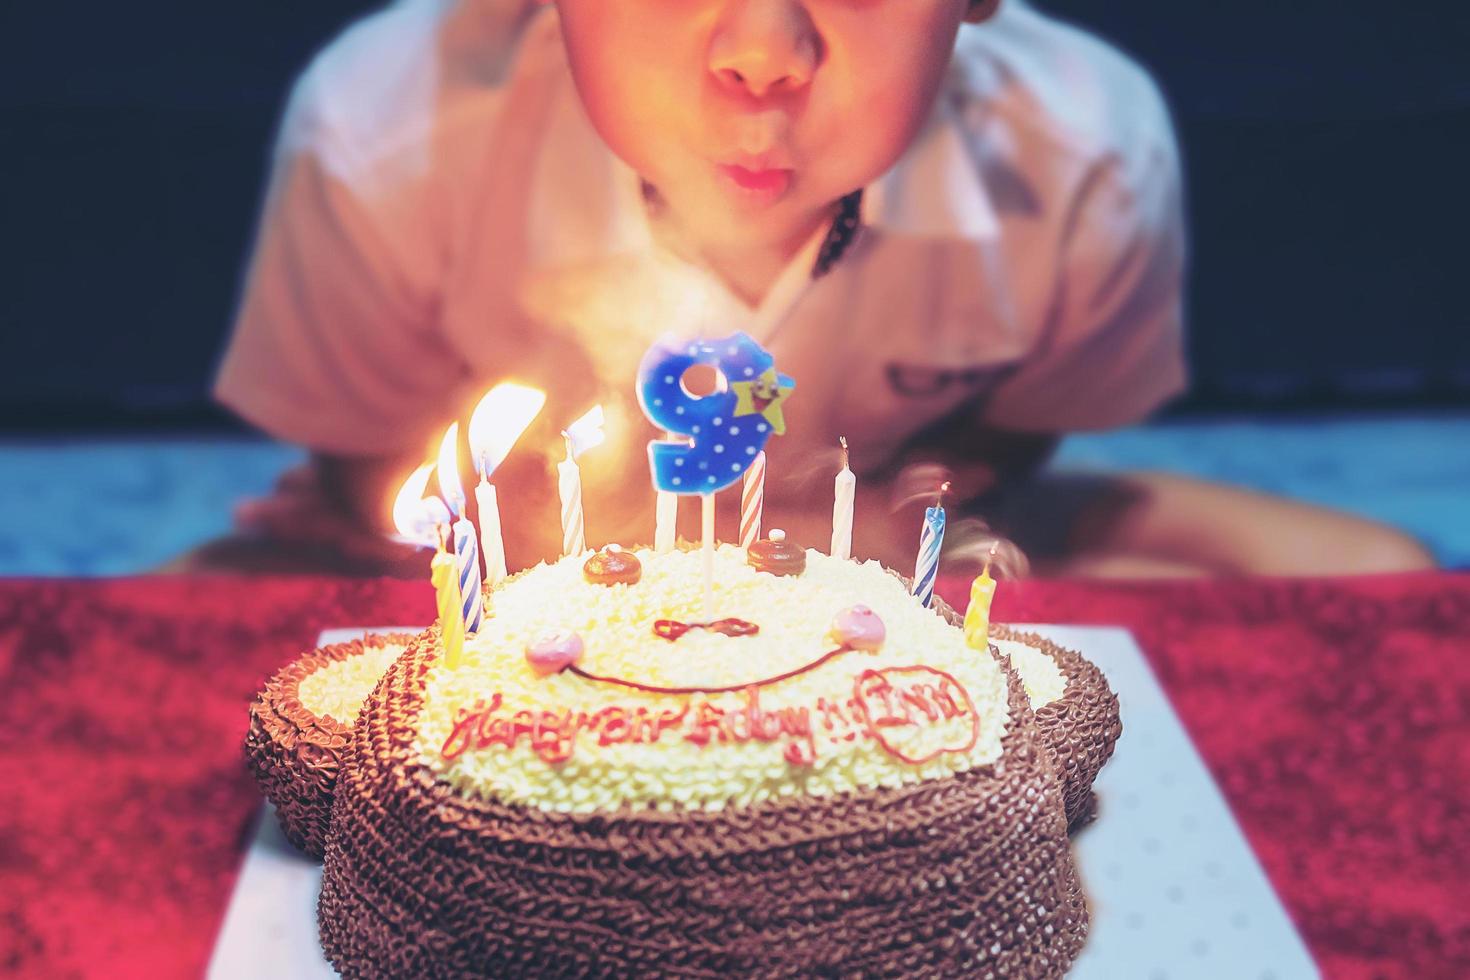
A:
(935, 189)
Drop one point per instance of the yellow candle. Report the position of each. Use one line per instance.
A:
(445, 577)
(977, 616)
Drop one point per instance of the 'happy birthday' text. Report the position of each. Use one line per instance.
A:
(897, 707)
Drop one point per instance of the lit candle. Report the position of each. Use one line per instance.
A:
(444, 575)
(931, 539)
(977, 616)
(580, 436)
(495, 425)
(417, 517)
(753, 501)
(842, 500)
(421, 520)
(466, 545)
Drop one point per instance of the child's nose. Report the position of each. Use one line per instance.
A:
(764, 47)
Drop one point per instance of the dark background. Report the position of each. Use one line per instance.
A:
(1325, 150)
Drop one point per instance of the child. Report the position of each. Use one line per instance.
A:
(961, 240)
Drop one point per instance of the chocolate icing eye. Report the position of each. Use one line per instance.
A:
(776, 555)
(613, 566)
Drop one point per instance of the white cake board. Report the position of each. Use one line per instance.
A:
(1176, 893)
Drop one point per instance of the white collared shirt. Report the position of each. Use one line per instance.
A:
(442, 215)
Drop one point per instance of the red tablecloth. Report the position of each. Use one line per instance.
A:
(1332, 713)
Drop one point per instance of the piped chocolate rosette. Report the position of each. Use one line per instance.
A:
(1076, 710)
(301, 725)
(816, 775)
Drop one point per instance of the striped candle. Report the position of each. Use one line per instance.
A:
(931, 539)
(753, 501)
(580, 436)
(467, 562)
(466, 544)
(573, 521)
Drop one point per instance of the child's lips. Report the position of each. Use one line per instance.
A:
(764, 182)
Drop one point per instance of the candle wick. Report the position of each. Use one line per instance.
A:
(990, 558)
(943, 489)
(567, 437)
(843, 440)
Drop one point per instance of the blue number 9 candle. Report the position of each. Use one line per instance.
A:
(726, 429)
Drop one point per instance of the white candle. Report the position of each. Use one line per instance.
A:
(753, 501)
(707, 548)
(573, 522)
(844, 492)
(665, 521)
(490, 537)
(495, 425)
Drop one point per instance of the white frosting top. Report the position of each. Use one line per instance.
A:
(339, 689)
(924, 706)
(1040, 675)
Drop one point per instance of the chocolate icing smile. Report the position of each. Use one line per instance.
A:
(729, 689)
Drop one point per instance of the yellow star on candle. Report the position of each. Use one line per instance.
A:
(762, 396)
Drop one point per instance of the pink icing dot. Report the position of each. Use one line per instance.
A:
(859, 627)
(554, 650)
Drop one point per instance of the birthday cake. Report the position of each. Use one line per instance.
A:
(869, 795)
(689, 760)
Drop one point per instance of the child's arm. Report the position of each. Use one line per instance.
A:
(334, 347)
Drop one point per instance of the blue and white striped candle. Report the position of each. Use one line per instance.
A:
(931, 539)
(466, 544)
(467, 562)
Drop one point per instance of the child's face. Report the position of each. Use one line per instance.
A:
(752, 116)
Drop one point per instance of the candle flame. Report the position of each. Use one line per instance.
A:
(448, 470)
(416, 517)
(498, 421)
(585, 433)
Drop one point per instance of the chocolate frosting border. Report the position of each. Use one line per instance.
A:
(969, 875)
(294, 754)
(1081, 727)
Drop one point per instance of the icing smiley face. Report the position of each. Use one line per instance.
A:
(709, 718)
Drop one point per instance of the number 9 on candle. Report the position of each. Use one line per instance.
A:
(725, 429)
